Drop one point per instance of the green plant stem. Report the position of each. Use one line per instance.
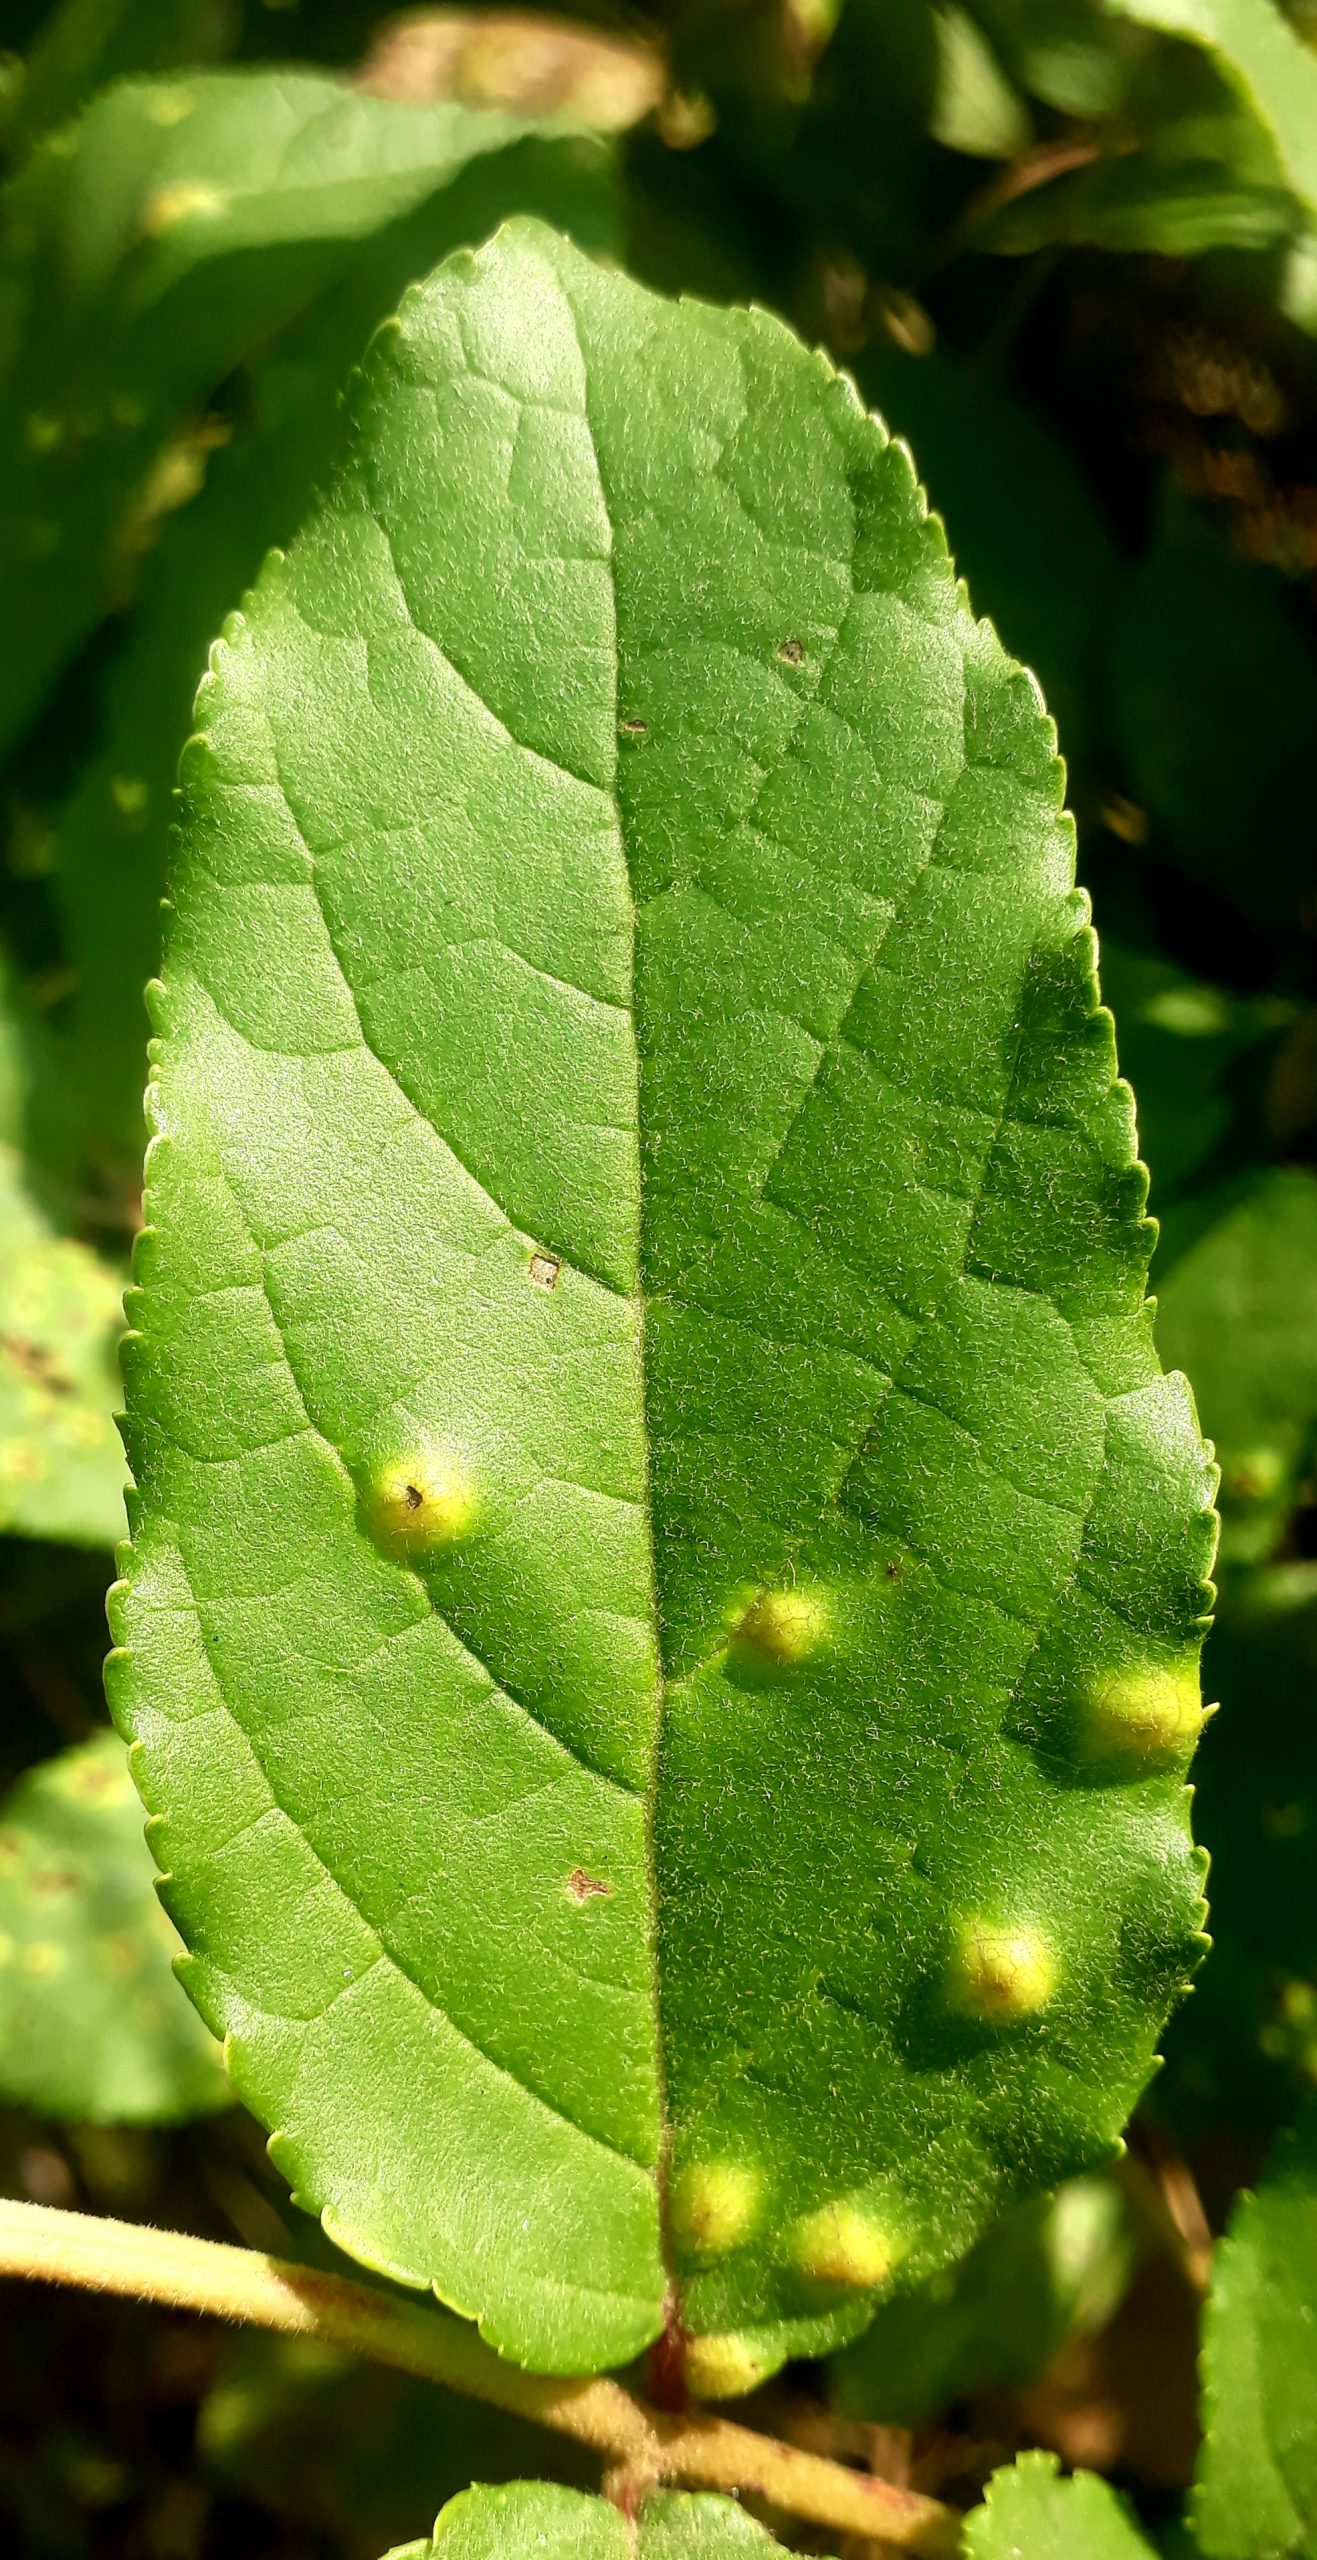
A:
(647, 2444)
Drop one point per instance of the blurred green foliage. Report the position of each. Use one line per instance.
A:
(1070, 250)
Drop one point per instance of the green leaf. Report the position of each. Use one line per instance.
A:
(1238, 1311)
(1253, 47)
(1197, 1056)
(533, 2520)
(1181, 168)
(34, 1116)
(61, 1461)
(1015, 505)
(92, 2022)
(975, 110)
(1065, 52)
(143, 252)
(1241, 2049)
(1048, 2272)
(620, 876)
(1255, 2495)
(61, 1465)
(110, 841)
(1030, 2513)
(1214, 700)
(83, 44)
(339, 2447)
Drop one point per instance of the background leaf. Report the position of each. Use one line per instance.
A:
(1253, 44)
(85, 43)
(61, 1463)
(1013, 501)
(1048, 2272)
(1199, 633)
(92, 2022)
(109, 841)
(1238, 1309)
(143, 252)
(532, 2517)
(1256, 2493)
(1030, 2513)
(1244, 2048)
(314, 2437)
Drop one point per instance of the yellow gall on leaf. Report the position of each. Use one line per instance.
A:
(722, 2367)
(423, 1504)
(780, 1629)
(714, 2206)
(43, 1957)
(170, 106)
(1144, 1717)
(188, 199)
(842, 2244)
(1001, 1973)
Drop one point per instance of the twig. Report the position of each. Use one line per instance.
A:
(240, 2284)
(1166, 2199)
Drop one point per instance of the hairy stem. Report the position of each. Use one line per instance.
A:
(240, 2284)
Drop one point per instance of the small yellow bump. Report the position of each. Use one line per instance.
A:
(170, 106)
(1145, 1717)
(841, 2244)
(21, 1463)
(422, 1504)
(189, 197)
(42, 1957)
(714, 2205)
(131, 796)
(87, 1430)
(1256, 1475)
(1001, 1973)
(722, 2367)
(781, 1628)
(122, 1952)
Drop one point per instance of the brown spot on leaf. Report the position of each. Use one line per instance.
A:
(584, 1888)
(36, 1362)
(544, 1271)
(791, 652)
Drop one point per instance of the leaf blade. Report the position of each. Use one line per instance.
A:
(1256, 2485)
(1255, 47)
(143, 252)
(750, 710)
(1030, 2513)
(92, 2024)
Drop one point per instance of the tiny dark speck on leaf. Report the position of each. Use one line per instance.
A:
(634, 728)
(893, 1570)
(544, 1271)
(791, 652)
(413, 1496)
